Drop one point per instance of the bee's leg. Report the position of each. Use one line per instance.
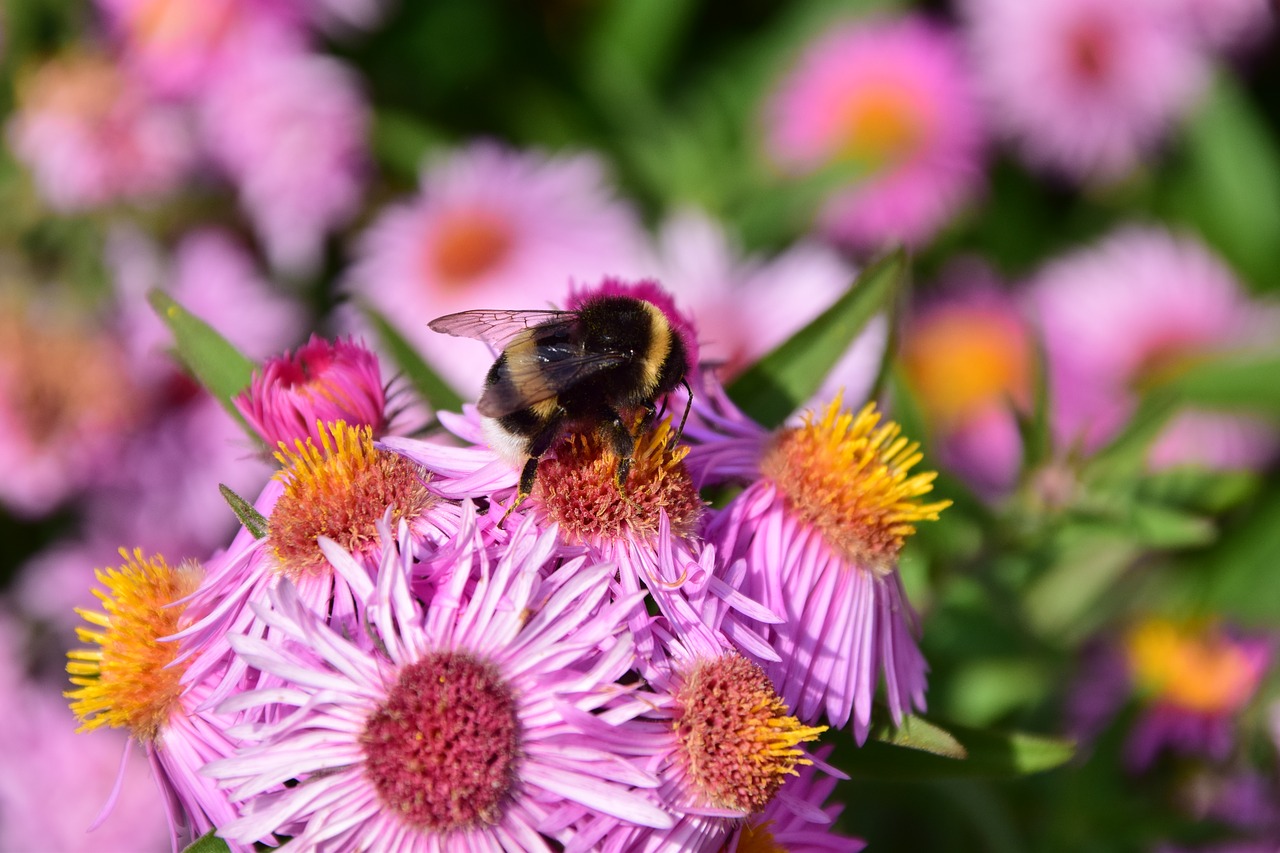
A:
(623, 445)
(528, 474)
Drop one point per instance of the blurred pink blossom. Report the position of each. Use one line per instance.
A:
(90, 136)
(492, 228)
(55, 781)
(180, 46)
(891, 97)
(66, 403)
(1228, 24)
(1085, 87)
(967, 354)
(1133, 311)
(289, 130)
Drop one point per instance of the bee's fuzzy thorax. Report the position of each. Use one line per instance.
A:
(650, 291)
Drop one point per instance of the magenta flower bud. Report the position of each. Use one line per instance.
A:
(321, 381)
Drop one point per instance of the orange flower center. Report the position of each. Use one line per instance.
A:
(964, 361)
(1197, 669)
(883, 125)
(468, 245)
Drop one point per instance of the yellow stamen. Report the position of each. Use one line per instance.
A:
(848, 476)
(127, 680)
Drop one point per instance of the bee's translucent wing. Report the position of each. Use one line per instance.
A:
(532, 373)
(495, 327)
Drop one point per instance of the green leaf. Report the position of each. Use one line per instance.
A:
(1126, 454)
(207, 843)
(252, 520)
(425, 381)
(773, 387)
(920, 734)
(1035, 428)
(988, 754)
(1230, 186)
(1199, 489)
(1238, 382)
(400, 141)
(212, 359)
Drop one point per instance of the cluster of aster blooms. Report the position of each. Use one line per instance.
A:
(381, 660)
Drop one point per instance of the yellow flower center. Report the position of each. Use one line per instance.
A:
(848, 476)
(736, 738)
(883, 124)
(339, 490)
(964, 361)
(127, 680)
(1197, 669)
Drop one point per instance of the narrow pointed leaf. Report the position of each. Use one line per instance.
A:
(1241, 383)
(425, 381)
(1127, 452)
(212, 359)
(252, 520)
(773, 387)
(918, 733)
(990, 755)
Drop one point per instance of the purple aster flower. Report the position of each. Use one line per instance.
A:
(288, 128)
(375, 762)
(1192, 680)
(492, 228)
(1132, 312)
(321, 382)
(1086, 87)
(820, 528)
(130, 679)
(894, 98)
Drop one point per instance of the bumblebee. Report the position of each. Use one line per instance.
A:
(586, 369)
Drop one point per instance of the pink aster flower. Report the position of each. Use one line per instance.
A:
(289, 129)
(180, 46)
(968, 356)
(820, 526)
(746, 306)
(798, 819)
(338, 488)
(1086, 87)
(320, 381)
(1132, 311)
(127, 678)
(65, 404)
(720, 738)
(375, 763)
(893, 98)
(491, 228)
(90, 136)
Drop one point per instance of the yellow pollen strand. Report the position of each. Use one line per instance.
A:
(125, 680)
